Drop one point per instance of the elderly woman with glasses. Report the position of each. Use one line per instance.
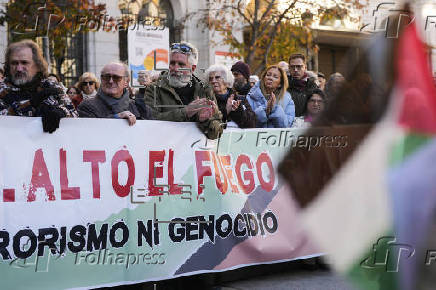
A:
(89, 85)
(270, 101)
(235, 108)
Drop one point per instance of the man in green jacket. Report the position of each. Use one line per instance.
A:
(179, 96)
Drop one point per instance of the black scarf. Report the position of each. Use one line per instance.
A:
(186, 93)
(298, 84)
(117, 105)
(244, 90)
(222, 98)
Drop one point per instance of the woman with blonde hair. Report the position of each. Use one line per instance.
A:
(270, 100)
(89, 85)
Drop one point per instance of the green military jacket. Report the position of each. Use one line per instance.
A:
(166, 105)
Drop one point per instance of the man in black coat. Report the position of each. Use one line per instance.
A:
(112, 99)
(299, 82)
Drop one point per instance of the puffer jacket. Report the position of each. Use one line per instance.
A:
(281, 116)
(167, 105)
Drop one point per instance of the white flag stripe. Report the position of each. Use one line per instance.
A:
(353, 210)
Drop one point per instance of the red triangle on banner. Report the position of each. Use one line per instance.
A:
(418, 111)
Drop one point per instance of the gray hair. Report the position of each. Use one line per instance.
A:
(192, 56)
(223, 71)
(334, 84)
(125, 66)
(311, 74)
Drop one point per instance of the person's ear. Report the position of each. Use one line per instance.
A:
(194, 67)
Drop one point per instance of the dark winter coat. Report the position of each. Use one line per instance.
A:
(99, 107)
(244, 116)
(298, 90)
(166, 105)
(26, 100)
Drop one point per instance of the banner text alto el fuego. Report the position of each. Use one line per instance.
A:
(239, 175)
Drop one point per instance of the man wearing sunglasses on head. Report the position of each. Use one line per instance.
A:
(112, 99)
(180, 96)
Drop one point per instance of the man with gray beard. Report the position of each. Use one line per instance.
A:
(27, 92)
(180, 96)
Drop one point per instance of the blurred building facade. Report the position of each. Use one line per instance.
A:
(90, 51)
(338, 42)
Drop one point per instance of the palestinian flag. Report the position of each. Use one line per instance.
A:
(369, 205)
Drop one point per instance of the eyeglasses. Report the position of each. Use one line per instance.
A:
(316, 101)
(211, 78)
(108, 77)
(88, 83)
(298, 67)
(182, 47)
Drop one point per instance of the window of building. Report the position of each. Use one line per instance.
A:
(147, 9)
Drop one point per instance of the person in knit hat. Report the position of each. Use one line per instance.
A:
(241, 73)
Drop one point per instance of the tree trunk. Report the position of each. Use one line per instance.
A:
(253, 37)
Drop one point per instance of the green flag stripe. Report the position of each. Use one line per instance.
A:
(406, 146)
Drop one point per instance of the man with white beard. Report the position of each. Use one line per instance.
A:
(27, 92)
(180, 96)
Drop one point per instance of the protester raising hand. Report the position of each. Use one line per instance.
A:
(231, 104)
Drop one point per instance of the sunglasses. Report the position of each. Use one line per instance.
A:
(88, 83)
(211, 78)
(108, 77)
(182, 47)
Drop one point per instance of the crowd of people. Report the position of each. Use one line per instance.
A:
(285, 95)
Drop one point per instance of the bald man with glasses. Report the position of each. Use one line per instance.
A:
(112, 99)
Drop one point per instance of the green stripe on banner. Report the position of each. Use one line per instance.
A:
(406, 146)
(377, 269)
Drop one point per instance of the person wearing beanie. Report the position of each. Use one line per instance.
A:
(241, 73)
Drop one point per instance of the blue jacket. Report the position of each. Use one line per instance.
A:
(282, 114)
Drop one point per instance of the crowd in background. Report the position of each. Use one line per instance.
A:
(284, 95)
